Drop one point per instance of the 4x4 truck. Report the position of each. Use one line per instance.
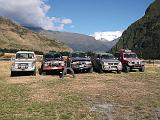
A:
(130, 60)
(80, 62)
(106, 62)
(52, 62)
(25, 61)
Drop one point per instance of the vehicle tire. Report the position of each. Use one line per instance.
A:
(12, 74)
(119, 71)
(34, 73)
(100, 69)
(127, 68)
(91, 70)
(142, 69)
(43, 73)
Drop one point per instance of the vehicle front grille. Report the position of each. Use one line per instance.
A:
(136, 62)
(23, 65)
(112, 63)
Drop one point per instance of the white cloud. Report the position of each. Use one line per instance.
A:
(66, 21)
(107, 35)
(31, 13)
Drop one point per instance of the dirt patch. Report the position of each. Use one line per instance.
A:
(112, 111)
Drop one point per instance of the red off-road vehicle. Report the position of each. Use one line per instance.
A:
(52, 62)
(130, 60)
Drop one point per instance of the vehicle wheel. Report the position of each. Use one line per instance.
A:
(119, 71)
(142, 69)
(127, 68)
(91, 70)
(100, 69)
(34, 73)
(12, 74)
(43, 73)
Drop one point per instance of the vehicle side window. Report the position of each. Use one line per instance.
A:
(30, 56)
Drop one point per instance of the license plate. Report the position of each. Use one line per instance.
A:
(113, 68)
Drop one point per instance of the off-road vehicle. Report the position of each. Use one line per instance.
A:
(106, 62)
(130, 60)
(80, 62)
(52, 62)
(25, 61)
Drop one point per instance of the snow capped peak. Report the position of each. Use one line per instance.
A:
(107, 36)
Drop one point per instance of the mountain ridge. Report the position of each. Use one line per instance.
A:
(14, 36)
(143, 36)
(79, 42)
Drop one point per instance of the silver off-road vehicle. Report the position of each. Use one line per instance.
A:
(106, 62)
(25, 61)
(80, 62)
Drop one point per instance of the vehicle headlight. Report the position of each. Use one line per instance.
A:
(46, 64)
(142, 62)
(29, 64)
(120, 64)
(74, 63)
(15, 65)
(88, 62)
(105, 63)
(62, 63)
(129, 62)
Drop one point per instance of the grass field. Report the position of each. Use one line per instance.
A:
(90, 96)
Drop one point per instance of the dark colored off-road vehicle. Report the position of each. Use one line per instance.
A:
(52, 62)
(130, 60)
(106, 62)
(80, 62)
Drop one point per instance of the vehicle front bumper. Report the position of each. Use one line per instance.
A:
(111, 68)
(29, 69)
(48, 68)
(81, 67)
(136, 66)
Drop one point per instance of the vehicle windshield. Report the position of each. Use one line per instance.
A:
(81, 55)
(24, 56)
(130, 55)
(108, 56)
(52, 56)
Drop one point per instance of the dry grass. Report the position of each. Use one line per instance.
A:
(93, 96)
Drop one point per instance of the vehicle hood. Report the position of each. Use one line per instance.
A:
(133, 59)
(110, 60)
(80, 59)
(53, 59)
(24, 60)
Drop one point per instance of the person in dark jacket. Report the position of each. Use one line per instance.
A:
(67, 68)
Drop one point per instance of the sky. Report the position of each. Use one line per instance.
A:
(88, 17)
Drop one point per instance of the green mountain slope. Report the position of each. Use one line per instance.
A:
(14, 36)
(144, 35)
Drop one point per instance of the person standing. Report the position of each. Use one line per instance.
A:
(67, 69)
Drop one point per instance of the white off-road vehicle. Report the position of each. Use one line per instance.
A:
(25, 61)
